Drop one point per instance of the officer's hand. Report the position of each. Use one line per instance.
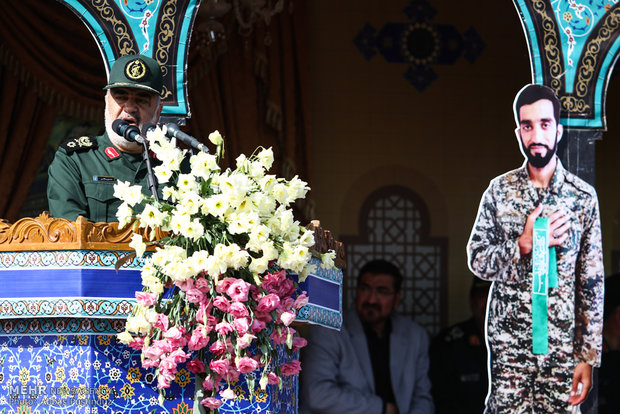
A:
(525, 240)
(558, 228)
(583, 376)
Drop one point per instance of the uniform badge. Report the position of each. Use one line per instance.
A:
(111, 152)
(80, 144)
(136, 70)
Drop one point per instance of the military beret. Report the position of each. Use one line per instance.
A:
(138, 72)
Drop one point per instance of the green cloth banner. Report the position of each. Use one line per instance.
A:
(545, 276)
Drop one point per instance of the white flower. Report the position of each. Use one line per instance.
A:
(306, 271)
(263, 203)
(131, 194)
(187, 182)
(307, 239)
(297, 188)
(242, 223)
(235, 186)
(216, 138)
(137, 244)
(170, 193)
(191, 201)
(327, 260)
(194, 230)
(163, 173)
(258, 236)
(124, 337)
(266, 158)
(216, 205)
(151, 216)
(242, 163)
(124, 214)
(203, 164)
(259, 265)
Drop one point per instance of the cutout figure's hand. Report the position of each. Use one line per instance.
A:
(558, 228)
(583, 377)
(525, 240)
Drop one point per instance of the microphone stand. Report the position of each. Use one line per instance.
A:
(150, 176)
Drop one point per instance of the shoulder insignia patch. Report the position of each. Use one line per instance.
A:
(80, 144)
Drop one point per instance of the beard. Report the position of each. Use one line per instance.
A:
(118, 140)
(537, 160)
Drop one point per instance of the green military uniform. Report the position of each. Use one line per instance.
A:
(82, 177)
(84, 170)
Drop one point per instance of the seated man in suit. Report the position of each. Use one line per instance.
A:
(378, 363)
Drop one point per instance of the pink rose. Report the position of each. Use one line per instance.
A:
(232, 375)
(245, 341)
(258, 326)
(238, 290)
(150, 363)
(211, 403)
(194, 295)
(202, 284)
(287, 318)
(208, 384)
(219, 366)
(268, 303)
(222, 303)
(136, 343)
(163, 345)
(301, 301)
(175, 335)
(185, 285)
(298, 343)
(277, 338)
(223, 328)
(146, 299)
(218, 347)
(223, 284)
(246, 364)
(179, 356)
(286, 288)
(286, 302)
(162, 322)
(291, 368)
(196, 366)
(241, 325)
(199, 339)
(273, 379)
(238, 310)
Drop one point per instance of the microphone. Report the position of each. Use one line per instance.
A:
(172, 130)
(128, 131)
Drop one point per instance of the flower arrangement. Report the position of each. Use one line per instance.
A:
(216, 292)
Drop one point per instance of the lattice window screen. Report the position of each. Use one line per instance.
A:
(394, 225)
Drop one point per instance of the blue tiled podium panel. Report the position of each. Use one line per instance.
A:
(74, 374)
(60, 312)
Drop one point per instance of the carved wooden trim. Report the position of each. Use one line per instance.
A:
(324, 241)
(48, 233)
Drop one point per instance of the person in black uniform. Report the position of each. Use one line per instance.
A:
(85, 169)
(609, 372)
(458, 355)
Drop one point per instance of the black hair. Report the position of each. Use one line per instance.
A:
(384, 267)
(533, 93)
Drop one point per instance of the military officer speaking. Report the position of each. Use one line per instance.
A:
(84, 170)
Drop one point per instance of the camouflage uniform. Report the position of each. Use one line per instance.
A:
(522, 381)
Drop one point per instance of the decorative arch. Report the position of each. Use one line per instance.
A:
(394, 224)
(573, 49)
